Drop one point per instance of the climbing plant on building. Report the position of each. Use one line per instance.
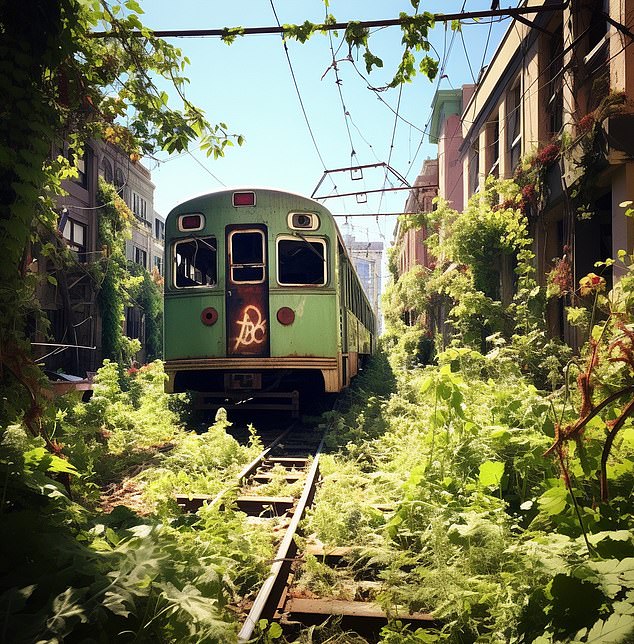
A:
(72, 86)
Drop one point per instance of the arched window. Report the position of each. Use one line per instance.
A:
(119, 180)
(106, 167)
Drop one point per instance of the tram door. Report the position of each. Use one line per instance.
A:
(247, 291)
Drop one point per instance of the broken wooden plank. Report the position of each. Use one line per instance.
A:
(355, 614)
(290, 477)
(320, 550)
(269, 505)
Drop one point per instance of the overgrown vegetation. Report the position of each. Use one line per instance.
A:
(453, 505)
(494, 487)
(122, 283)
(481, 291)
(148, 573)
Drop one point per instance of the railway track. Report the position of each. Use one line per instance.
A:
(294, 456)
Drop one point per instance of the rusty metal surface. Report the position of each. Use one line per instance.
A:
(236, 364)
(247, 304)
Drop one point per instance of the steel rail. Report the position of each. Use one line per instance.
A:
(247, 470)
(266, 599)
(253, 465)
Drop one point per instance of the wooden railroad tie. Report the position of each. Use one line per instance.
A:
(251, 505)
(355, 614)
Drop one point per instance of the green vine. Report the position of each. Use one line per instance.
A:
(112, 273)
(483, 281)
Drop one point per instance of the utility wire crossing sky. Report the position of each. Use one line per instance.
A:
(306, 109)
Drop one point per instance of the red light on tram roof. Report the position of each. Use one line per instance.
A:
(286, 316)
(244, 198)
(191, 222)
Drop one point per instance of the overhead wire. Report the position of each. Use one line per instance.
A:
(466, 53)
(297, 91)
(439, 76)
(347, 118)
(206, 169)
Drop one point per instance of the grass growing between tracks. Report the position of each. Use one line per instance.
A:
(439, 481)
(94, 547)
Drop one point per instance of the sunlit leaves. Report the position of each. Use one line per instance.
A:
(554, 500)
(491, 473)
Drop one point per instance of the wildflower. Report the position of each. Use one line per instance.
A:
(560, 277)
(586, 123)
(591, 283)
(528, 191)
(548, 154)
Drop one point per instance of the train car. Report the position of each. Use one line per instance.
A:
(262, 302)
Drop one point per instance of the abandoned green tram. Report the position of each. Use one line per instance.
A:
(262, 302)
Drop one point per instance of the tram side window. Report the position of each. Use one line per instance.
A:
(195, 262)
(301, 262)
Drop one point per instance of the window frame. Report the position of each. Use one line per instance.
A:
(175, 244)
(302, 240)
(140, 253)
(233, 265)
(514, 124)
(71, 224)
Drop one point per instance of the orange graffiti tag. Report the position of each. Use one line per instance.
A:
(252, 327)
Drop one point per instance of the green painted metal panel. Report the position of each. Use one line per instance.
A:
(315, 329)
(185, 334)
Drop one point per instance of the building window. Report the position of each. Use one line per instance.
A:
(80, 164)
(134, 323)
(494, 148)
(598, 28)
(555, 105)
(75, 235)
(140, 256)
(513, 125)
(139, 206)
(474, 167)
(195, 262)
(119, 180)
(159, 229)
(158, 264)
(106, 168)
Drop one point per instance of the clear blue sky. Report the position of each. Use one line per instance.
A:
(248, 86)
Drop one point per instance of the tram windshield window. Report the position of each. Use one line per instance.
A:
(195, 262)
(301, 262)
(247, 256)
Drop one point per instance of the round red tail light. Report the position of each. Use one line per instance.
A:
(285, 316)
(209, 316)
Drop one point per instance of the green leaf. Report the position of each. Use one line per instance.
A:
(617, 628)
(553, 501)
(59, 465)
(66, 607)
(133, 5)
(275, 631)
(427, 383)
(491, 473)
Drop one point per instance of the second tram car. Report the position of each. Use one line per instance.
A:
(261, 300)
